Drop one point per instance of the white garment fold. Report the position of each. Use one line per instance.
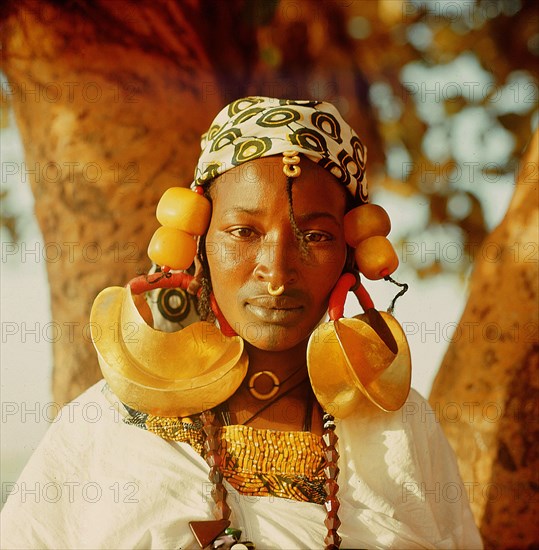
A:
(97, 483)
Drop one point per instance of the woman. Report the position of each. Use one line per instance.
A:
(241, 450)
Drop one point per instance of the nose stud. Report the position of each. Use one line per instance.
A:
(275, 291)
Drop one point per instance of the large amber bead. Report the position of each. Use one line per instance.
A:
(376, 258)
(184, 209)
(172, 247)
(365, 221)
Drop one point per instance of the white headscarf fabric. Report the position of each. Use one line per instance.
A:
(256, 127)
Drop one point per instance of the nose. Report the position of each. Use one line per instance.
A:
(277, 261)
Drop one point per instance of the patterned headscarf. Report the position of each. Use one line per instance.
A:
(255, 127)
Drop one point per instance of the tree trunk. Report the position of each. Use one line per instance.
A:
(486, 393)
(110, 116)
(111, 99)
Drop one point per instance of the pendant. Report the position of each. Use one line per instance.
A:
(207, 531)
(264, 396)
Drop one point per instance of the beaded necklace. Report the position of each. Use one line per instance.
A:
(208, 532)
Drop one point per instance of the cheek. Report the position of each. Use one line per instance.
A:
(327, 265)
(225, 257)
(228, 272)
(322, 277)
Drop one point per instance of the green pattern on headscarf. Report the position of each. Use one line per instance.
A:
(256, 127)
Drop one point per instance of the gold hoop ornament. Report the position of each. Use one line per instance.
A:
(291, 160)
(264, 396)
(275, 291)
(366, 356)
(164, 374)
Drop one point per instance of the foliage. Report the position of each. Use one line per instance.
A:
(453, 91)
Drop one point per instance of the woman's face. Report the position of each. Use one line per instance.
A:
(251, 242)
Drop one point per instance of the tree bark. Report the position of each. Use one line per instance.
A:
(486, 393)
(111, 99)
(107, 127)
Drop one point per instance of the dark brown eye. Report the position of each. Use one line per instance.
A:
(242, 232)
(316, 237)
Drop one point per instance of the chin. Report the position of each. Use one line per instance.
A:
(273, 338)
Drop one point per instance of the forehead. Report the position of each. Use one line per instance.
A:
(262, 183)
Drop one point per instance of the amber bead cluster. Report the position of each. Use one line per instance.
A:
(184, 214)
(365, 230)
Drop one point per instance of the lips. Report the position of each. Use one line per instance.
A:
(275, 302)
(275, 309)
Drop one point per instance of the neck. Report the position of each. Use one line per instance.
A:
(289, 411)
(282, 363)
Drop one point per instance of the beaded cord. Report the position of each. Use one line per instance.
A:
(221, 510)
(332, 504)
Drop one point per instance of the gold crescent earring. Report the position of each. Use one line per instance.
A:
(368, 354)
(275, 291)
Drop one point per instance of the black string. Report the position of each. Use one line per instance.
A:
(224, 411)
(280, 396)
(404, 287)
(164, 275)
(308, 418)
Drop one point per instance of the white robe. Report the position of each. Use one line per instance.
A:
(96, 482)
